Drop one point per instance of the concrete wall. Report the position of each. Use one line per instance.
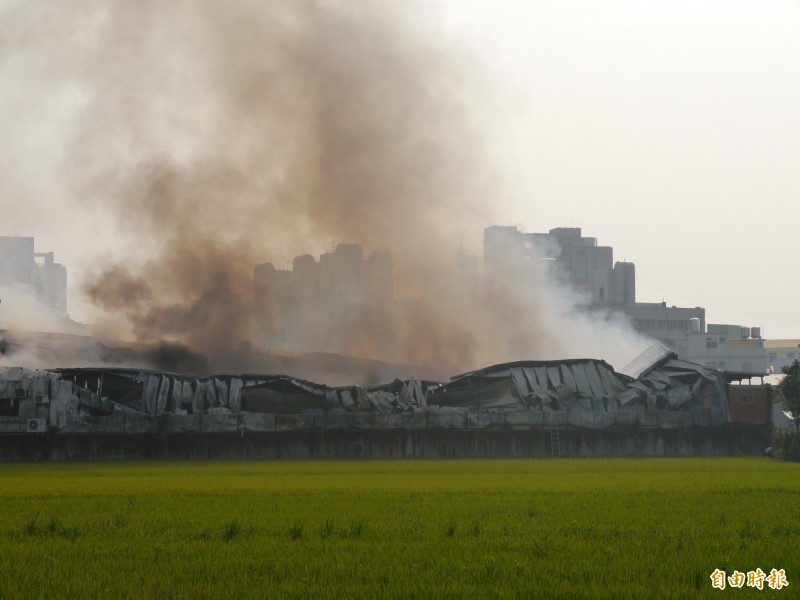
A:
(731, 439)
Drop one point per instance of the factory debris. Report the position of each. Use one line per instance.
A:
(580, 393)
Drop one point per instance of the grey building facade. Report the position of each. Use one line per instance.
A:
(573, 259)
(21, 266)
(589, 269)
(320, 304)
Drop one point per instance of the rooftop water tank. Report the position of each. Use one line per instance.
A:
(755, 332)
(745, 332)
(694, 325)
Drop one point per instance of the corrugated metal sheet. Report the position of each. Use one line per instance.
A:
(585, 389)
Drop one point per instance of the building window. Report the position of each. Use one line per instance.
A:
(580, 274)
(9, 407)
(772, 356)
(660, 324)
(790, 355)
(710, 344)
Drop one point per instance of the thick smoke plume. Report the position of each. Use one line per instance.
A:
(227, 134)
(256, 131)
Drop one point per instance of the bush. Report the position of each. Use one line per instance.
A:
(787, 445)
(793, 451)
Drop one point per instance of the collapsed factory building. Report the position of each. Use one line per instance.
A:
(660, 406)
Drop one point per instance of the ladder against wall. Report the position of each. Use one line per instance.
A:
(555, 443)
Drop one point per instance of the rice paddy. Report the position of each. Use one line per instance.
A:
(613, 528)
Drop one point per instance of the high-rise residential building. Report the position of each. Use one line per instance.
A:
(319, 304)
(589, 270)
(34, 271)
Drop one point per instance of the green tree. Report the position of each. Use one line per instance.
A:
(789, 388)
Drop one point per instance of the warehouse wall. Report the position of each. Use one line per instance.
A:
(730, 439)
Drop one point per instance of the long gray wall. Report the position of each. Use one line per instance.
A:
(730, 439)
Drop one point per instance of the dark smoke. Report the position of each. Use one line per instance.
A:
(222, 135)
(171, 357)
(293, 125)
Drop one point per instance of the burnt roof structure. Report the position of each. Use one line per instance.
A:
(586, 393)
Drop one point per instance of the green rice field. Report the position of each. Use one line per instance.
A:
(562, 528)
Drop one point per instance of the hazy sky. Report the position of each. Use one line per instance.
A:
(668, 130)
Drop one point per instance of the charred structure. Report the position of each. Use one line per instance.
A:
(580, 407)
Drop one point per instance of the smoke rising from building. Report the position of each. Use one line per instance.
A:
(226, 135)
(292, 124)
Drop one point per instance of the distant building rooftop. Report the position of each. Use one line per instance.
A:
(787, 343)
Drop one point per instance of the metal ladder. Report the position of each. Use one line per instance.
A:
(555, 448)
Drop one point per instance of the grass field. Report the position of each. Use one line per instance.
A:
(390, 529)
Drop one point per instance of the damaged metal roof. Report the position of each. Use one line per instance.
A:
(155, 393)
(579, 383)
(667, 392)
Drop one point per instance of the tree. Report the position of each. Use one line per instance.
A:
(789, 388)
